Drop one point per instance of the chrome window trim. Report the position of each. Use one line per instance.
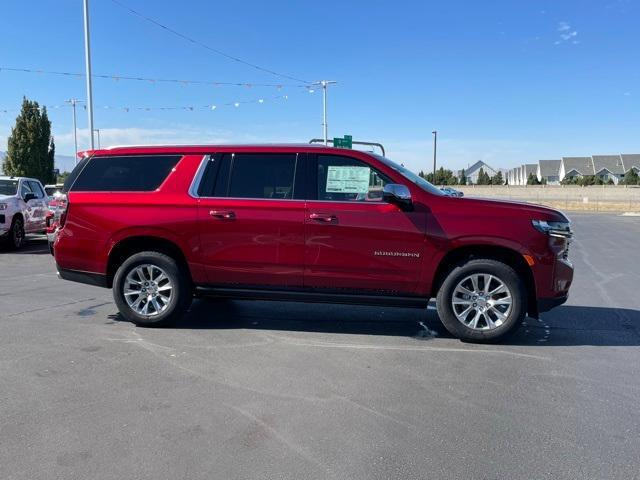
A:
(197, 179)
(195, 183)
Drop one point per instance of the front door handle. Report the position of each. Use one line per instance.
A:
(223, 214)
(323, 217)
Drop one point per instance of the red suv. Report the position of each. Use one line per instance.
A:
(304, 223)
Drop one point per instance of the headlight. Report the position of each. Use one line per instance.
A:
(553, 229)
(3, 206)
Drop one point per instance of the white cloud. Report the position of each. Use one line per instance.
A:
(567, 34)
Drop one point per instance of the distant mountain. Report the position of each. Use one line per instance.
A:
(64, 163)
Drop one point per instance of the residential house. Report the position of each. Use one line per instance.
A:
(548, 172)
(608, 167)
(472, 171)
(629, 161)
(571, 167)
(526, 170)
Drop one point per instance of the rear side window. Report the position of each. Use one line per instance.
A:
(257, 175)
(136, 173)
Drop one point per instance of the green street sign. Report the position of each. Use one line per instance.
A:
(346, 142)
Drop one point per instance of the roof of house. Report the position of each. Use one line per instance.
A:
(470, 170)
(582, 165)
(529, 168)
(549, 168)
(630, 160)
(612, 163)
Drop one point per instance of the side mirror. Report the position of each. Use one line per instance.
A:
(29, 196)
(397, 194)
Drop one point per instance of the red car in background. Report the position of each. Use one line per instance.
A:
(304, 223)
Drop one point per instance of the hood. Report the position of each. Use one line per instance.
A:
(7, 198)
(493, 206)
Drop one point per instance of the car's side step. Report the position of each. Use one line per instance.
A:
(313, 296)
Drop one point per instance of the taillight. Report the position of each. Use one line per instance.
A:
(63, 206)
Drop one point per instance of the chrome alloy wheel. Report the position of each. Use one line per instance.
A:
(148, 290)
(482, 302)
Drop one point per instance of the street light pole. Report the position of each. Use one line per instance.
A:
(73, 103)
(87, 59)
(435, 146)
(324, 84)
(97, 130)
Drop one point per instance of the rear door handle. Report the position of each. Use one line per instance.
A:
(323, 217)
(223, 214)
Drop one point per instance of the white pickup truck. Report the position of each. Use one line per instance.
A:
(23, 209)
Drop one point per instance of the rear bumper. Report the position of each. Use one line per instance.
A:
(546, 304)
(89, 278)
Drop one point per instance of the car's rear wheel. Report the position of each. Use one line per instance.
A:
(151, 289)
(482, 300)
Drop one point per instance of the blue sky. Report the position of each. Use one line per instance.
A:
(503, 81)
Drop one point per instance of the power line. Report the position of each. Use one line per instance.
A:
(153, 80)
(203, 45)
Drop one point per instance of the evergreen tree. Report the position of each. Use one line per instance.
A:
(483, 177)
(463, 177)
(497, 179)
(533, 180)
(30, 147)
(631, 178)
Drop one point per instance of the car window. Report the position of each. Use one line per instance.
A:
(346, 179)
(257, 175)
(135, 173)
(8, 187)
(25, 188)
(36, 188)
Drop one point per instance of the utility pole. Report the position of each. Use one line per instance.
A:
(324, 84)
(97, 130)
(87, 59)
(435, 146)
(73, 103)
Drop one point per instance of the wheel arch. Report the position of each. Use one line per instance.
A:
(143, 243)
(503, 254)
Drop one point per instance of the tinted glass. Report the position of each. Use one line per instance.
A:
(8, 187)
(68, 183)
(262, 176)
(36, 188)
(346, 179)
(141, 173)
(25, 188)
(222, 179)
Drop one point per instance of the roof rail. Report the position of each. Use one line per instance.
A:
(370, 144)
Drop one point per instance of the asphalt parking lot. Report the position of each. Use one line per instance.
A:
(261, 390)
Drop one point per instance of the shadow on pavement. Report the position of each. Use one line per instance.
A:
(34, 245)
(564, 326)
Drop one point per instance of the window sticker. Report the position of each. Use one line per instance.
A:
(342, 179)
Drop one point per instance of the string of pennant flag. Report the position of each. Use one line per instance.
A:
(183, 82)
(212, 106)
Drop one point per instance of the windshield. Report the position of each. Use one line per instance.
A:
(409, 175)
(8, 187)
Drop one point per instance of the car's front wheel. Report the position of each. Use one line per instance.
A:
(151, 289)
(482, 300)
(16, 237)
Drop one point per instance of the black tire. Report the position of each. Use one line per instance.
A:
(16, 237)
(504, 273)
(180, 296)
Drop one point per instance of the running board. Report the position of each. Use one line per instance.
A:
(313, 297)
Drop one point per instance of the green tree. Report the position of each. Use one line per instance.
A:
(497, 179)
(631, 178)
(30, 147)
(533, 180)
(483, 177)
(463, 177)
